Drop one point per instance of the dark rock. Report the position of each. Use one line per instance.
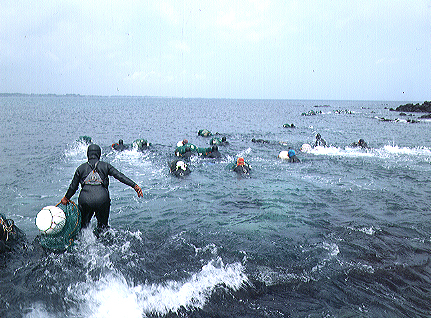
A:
(426, 116)
(420, 108)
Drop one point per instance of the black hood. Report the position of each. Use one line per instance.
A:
(94, 152)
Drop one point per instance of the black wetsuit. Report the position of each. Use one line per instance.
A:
(94, 199)
(320, 142)
(120, 147)
(294, 159)
(214, 153)
(361, 143)
(261, 141)
(244, 169)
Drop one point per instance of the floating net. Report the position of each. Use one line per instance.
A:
(141, 144)
(85, 139)
(64, 239)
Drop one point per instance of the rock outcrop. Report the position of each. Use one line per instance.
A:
(418, 108)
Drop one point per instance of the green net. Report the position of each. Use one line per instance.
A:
(85, 139)
(182, 149)
(64, 239)
(215, 141)
(204, 133)
(203, 151)
(141, 143)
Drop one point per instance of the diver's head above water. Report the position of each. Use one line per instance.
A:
(94, 152)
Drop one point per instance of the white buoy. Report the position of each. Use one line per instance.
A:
(283, 155)
(50, 220)
(181, 165)
(306, 148)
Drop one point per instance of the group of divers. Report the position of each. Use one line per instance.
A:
(95, 201)
(185, 150)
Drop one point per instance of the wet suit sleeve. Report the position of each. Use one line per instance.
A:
(120, 177)
(74, 184)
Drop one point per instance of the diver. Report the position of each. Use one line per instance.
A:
(10, 235)
(204, 133)
(292, 156)
(179, 168)
(184, 152)
(319, 141)
(141, 144)
(214, 153)
(85, 139)
(182, 142)
(120, 146)
(263, 141)
(182, 145)
(218, 141)
(241, 166)
(93, 176)
(361, 143)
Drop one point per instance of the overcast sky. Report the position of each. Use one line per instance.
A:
(262, 49)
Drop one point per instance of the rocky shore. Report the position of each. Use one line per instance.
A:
(416, 108)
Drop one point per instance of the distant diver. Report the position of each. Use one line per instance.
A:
(11, 237)
(289, 155)
(85, 139)
(186, 150)
(219, 141)
(141, 144)
(179, 168)
(263, 141)
(182, 145)
(361, 143)
(120, 146)
(292, 156)
(241, 166)
(203, 151)
(204, 133)
(319, 141)
(213, 153)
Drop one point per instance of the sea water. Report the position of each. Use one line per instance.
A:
(344, 233)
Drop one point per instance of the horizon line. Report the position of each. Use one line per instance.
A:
(175, 97)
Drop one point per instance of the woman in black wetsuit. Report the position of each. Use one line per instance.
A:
(94, 196)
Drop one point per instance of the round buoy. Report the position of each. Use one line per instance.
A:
(306, 148)
(283, 155)
(50, 220)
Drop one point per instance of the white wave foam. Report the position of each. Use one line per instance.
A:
(418, 151)
(381, 152)
(78, 150)
(114, 296)
(272, 277)
(244, 152)
(38, 310)
(346, 152)
(367, 230)
(333, 251)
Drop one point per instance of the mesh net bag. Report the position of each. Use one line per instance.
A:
(64, 239)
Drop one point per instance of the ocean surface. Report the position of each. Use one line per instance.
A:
(344, 233)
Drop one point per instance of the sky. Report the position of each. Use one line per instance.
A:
(257, 49)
